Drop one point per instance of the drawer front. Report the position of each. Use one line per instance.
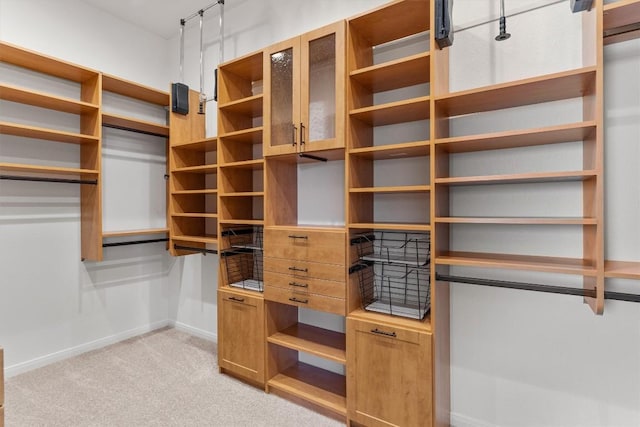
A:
(307, 245)
(305, 269)
(239, 298)
(306, 285)
(305, 300)
(383, 330)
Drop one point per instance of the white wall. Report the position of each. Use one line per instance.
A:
(52, 305)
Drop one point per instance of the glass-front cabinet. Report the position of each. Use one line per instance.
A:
(305, 81)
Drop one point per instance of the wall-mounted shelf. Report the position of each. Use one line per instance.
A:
(44, 100)
(27, 131)
(134, 125)
(131, 233)
(407, 71)
(620, 21)
(393, 112)
(622, 269)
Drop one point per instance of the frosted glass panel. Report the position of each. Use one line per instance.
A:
(322, 92)
(282, 131)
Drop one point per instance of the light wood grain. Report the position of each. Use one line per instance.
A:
(248, 136)
(620, 14)
(622, 269)
(134, 124)
(516, 220)
(404, 111)
(297, 269)
(394, 189)
(254, 164)
(306, 285)
(204, 145)
(141, 232)
(305, 300)
(44, 100)
(250, 106)
(399, 73)
(400, 226)
(35, 132)
(305, 244)
(319, 342)
(532, 177)
(49, 170)
(209, 239)
(134, 90)
(393, 151)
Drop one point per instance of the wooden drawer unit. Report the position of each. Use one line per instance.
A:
(305, 244)
(305, 269)
(327, 288)
(305, 299)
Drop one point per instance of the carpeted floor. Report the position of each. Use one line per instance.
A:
(163, 378)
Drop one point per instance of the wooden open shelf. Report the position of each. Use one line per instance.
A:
(400, 226)
(207, 144)
(547, 88)
(242, 221)
(248, 67)
(622, 269)
(27, 131)
(251, 105)
(403, 72)
(44, 100)
(516, 220)
(518, 262)
(392, 151)
(256, 164)
(318, 386)
(244, 194)
(519, 178)
(517, 138)
(204, 169)
(622, 13)
(408, 110)
(250, 136)
(129, 123)
(129, 233)
(194, 215)
(319, 342)
(52, 170)
(134, 90)
(194, 192)
(394, 189)
(208, 238)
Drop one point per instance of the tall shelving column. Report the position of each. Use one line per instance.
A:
(88, 136)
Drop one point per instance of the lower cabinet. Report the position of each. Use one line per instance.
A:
(389, 372)
(241, 337)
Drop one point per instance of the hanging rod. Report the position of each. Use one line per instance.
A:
(144, 132)
(133, 242)
(457, 30)
(41, 179)
(589, 293)
(312, 157)
(189, 248)
(204, 9)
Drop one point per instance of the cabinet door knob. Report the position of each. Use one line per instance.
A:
(301, 301)
(236, 299)
(304, 270)
(299, 285)
(386, 334)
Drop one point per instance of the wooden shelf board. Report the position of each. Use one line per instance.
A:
(517, 262)
(391, 22)
(243, 194)
(517, 138)
(403, 72)
(134, 90)
(53, 170)
(194, 215)
(249, 136)
(134, 124)
(622, 269)
(518, 178)
(209, 239)
(393, 151)
(551, 87)
(46, 134)
(195, 192)
(516, 220)
(250, 106)
(44, 64)
(316, 385)
(319, 342)
(390, 226)
(248, 66)
(242, 221)
(128, 233)
(256, 164)
(44, 100)
(207, 144)
(394, 112)
(395, 189)
(197, 169)
(620, 13)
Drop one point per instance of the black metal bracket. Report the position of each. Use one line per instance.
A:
(133, 242)
(41, 179)
(312, 157)
(189, 248)
(564, 290)
(362, 239)
(144, 132)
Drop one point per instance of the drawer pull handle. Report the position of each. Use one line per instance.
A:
(304, 270)
(301, 301)
(293, 236)
(299, 285)
(236, 299)
(386, 334)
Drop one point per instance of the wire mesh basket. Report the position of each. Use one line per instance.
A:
(393, 272)
(243, 258)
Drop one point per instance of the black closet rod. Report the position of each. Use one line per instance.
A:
(144, 132)
(133, 242)
(41, 179)
(619, 296)
(189, 248)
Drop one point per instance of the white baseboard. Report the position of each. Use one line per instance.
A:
(48, 359)
(459, 420)
(200, 333)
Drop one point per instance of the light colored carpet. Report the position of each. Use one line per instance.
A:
(163, 378)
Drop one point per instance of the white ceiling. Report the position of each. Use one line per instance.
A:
(157, 16)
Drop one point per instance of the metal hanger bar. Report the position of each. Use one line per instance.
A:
(41, 179)
(193, 15)
(133, 242)
(589, 293)
(457, 30)
(144, 132)
(189, 248)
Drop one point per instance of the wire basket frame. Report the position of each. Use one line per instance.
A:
(393, 272)
(244, 258)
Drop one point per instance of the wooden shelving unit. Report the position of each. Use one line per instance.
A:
(88, 107)
(621, 20)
